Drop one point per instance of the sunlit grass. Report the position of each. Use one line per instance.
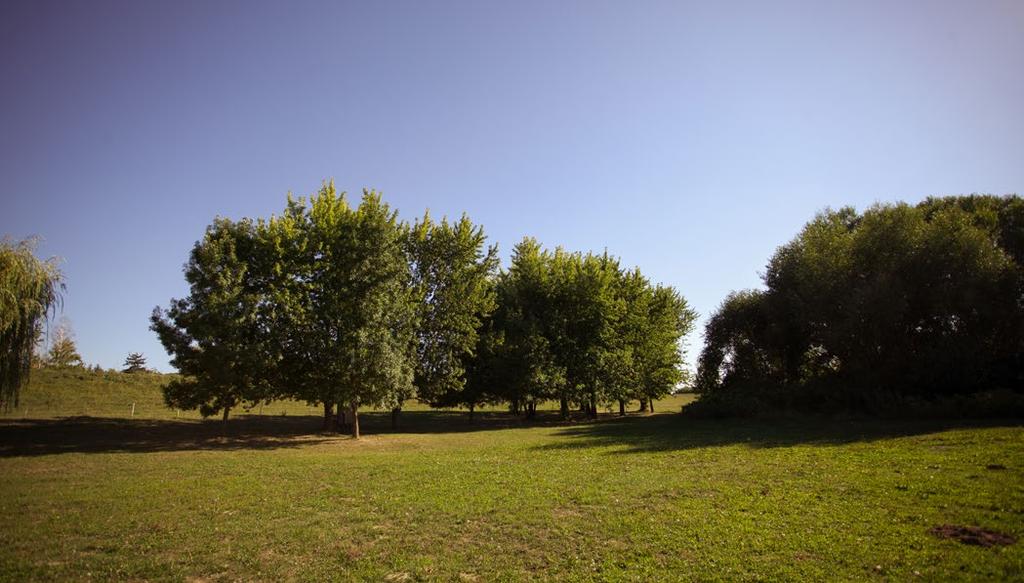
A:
(657, 497)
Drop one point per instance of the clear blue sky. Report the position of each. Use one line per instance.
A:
(689, 138)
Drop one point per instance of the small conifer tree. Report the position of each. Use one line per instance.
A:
(134, 363)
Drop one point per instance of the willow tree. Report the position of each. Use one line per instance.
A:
(29, 290)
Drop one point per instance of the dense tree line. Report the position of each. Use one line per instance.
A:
(348, 307)
(579, 329)
(917, 302)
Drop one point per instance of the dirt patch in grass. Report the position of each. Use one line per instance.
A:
(972, 535)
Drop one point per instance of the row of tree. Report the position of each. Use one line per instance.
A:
(579, 329)
(924, 300)
(349, 306)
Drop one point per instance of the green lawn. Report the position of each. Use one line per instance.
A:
(642, 498)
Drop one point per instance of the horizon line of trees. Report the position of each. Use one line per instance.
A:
(876, 310)
(347, 307)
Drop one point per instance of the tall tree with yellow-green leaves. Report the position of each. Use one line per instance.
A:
(346, 309)
(453, 275)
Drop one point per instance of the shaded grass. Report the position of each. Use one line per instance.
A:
(641, 498)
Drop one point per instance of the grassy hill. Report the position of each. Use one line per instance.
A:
(73, 392)
(659, 497)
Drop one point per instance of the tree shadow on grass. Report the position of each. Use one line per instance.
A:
(634, 433)
(660, 433)
(34, 437)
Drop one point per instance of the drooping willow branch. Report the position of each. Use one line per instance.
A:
(30, 290)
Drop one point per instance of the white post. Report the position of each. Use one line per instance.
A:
(133, 409)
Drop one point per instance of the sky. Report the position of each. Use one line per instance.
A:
(688, 138)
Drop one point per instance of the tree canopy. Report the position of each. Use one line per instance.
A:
(215, 336)
(924, 300)
(453, 277)
(579, 329)
(349, 307)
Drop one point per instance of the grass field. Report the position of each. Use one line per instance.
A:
(74, 392)
(658, 497)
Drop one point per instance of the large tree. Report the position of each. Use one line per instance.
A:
(453, 277)
(217, 336)
(586, 344)
(522, 363)
(346, 314)
(655, 321)
(29, 290)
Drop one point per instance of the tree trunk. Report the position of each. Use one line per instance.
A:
(643, 405)
(622, 408)
(471, 407)
(593, 405)
(650, 403)
(564, 407)
(328, 415)
(340, 423)
(355, 421)
(394, 418)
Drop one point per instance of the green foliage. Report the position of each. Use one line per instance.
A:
(345, 313)
(579, 329)
(134, 363)
(453, 278)
(217, 337)
(346, 306)
(29, 290)
(523, 363)
(924, 300)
